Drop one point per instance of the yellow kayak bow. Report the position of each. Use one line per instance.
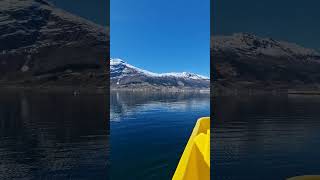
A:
(194, 163)
(306, 177)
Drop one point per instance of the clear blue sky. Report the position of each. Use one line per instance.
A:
(163, 35)
(294, 21)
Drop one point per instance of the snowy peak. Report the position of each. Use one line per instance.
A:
(124, 75)
(252, 45)
(185, 75)
(119, 67)
(116, 61)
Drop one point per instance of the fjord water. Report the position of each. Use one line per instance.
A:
(149, 131)
(53, 136)
(265, 137)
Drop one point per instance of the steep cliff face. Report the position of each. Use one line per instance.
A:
(41, 44)
(248, 61)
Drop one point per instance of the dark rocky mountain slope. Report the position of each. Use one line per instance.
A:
(42, 45)
(245, 61)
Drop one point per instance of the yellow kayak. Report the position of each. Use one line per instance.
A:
(194, 163)
(306, 177)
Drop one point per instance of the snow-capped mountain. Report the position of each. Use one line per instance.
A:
(120, 67)
(123, 74)
(42, 44)
(248, 61)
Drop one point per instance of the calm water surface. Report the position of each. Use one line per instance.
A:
(265, 137)
(53, 136)
(150, 130)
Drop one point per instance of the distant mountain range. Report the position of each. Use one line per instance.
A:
(42, 45)
(246, 61)
(124, 75)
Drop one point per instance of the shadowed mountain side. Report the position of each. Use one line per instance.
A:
(247, 62)
(41, 45)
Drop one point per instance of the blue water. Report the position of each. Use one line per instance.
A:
(265, 137)
(150, 130)
(53, 136)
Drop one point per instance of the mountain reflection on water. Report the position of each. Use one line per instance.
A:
(265, 137)
(53, 136)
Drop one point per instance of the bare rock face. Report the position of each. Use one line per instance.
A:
(124, 75)
(251, 62)
(44, 45)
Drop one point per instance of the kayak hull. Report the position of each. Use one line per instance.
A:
(306, 177)
(194, 163)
